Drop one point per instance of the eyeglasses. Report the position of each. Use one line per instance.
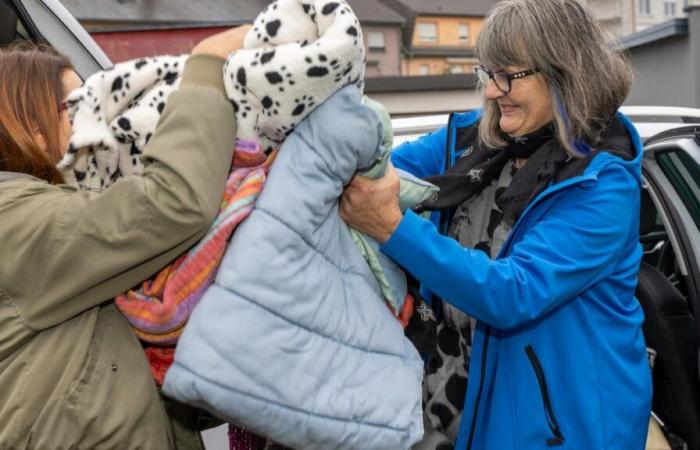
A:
(502, 79)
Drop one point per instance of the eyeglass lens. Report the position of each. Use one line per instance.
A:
(501, 79)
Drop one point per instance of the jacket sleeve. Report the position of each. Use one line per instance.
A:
(575, 244)
(83, 248)
(423, 157)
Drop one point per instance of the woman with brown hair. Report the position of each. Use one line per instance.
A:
(72, 372)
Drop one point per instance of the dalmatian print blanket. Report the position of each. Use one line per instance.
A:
(298, 53)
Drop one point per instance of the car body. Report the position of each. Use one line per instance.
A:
(671, 173)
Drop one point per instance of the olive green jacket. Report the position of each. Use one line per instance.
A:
(72, 373)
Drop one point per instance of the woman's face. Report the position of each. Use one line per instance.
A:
(528, 105)
(71, 81)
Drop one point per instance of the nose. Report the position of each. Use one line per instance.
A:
(492, 92)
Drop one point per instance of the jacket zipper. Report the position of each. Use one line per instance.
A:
(558, 438)
(485, 348)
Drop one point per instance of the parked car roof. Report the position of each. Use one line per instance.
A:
(649, 120)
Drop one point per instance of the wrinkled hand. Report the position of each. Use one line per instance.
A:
(372, 206)
(224, 43)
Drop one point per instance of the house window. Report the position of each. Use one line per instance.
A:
(463, 33)
(424, 69)
(670, 8)
(427, 32)
(456, 68)
(375, 40)
(644, 7)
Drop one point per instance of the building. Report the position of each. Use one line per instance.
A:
(439, 35)
(666, 62)
(623, 17)
(128, 29)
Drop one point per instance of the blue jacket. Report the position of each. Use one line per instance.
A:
(558, 355)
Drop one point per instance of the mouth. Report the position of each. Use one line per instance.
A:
(507, 109)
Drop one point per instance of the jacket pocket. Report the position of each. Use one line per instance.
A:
(557, 436)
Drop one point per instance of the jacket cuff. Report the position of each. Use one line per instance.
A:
(204, 70)
(399, 245)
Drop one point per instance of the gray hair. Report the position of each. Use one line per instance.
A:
(588, 81)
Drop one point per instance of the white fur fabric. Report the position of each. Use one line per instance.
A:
(297, 55)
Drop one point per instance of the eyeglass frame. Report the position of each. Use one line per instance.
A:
(508, 76)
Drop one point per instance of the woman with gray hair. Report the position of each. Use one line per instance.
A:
(535, 236)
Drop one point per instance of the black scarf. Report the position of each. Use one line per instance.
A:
(547, 162)
(479, 166)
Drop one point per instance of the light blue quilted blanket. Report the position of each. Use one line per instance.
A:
(294, 340)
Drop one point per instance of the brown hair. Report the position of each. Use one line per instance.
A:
(31, 90)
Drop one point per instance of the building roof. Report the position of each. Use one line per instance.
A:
(670, 28)
(167, 13)
(374, 12)
(421, 83)
(478, 8)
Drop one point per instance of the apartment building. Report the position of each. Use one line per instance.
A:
(439, 35)
(624, 17)
(129, 29)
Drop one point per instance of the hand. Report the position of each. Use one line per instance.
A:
(224, 43)
(372, 206)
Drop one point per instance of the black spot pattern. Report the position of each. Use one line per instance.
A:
(443, 413)
(352, 31)
(273, 77)
(448, 341)
(241, 77)
(329, 8)
(266, 57)
(140, 63)
(455, 389)
(317, 72)
(266, 102)
(124, 124)
(117, 84)
(434, 363)
(273, 27)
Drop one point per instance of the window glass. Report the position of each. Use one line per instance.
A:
(456, 68)
(670, 8)
(463, 32)
(644, 7)
(427, 32)
(424, 69)
(684, 174)
(375, 40)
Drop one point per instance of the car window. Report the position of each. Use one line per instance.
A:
(684, 174)
(50, 21)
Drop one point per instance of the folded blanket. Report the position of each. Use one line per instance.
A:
(293, 340)
(161, 307)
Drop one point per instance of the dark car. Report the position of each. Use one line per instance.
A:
(669, 278)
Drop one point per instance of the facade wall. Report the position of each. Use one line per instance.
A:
(123, 46)
(447, 36)
(447, 31)
(387, 62)
(663, 75)
(438, 65)
(623, 17)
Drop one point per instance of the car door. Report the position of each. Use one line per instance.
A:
(672, 168)
(51, 22)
